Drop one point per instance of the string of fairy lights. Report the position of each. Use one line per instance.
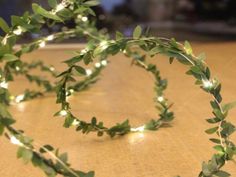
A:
(225, 148)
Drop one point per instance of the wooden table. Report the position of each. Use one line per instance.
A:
(127, 92)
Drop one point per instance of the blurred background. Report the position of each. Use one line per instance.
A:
(196, 20)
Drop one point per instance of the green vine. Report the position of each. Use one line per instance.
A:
(98, 48)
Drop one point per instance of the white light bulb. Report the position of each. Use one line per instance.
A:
(20, 98)
(138, 129)
(4, 84)
(71, 90)
(84, 51)
(63, 113)
(75, 122)
(59, 7)
(160, 99)
(15, 141)
(97, 65)
(89, 72)
(17, 68)
(104, 62)
(207, 84)
(50, 38)
(52, 68)
(84, 19)
(42, 44)
(18, 31)
(104, 45)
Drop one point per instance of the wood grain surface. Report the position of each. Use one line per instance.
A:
(125, 91)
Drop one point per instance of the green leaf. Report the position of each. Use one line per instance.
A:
(213, 120)
(219, 114)
(48, 147)
(219, 148)
(73, 60)
(202, 57)
(188, 48)
(211, 130)
(10, 57)
(228, 106)
(222, 174)
(25, 154)
(119, 35)
(171, 59)
(137, 32)
(52, 3)
(80, 70)
(217, 141)
(41, 11)
(94, 121)
(1, 129)
(92, 3)
(4, 26)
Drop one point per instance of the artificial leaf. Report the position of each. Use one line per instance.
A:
(137, 32)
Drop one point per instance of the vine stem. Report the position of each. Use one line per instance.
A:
(11, 130)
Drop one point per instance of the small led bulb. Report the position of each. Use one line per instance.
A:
(84, 19)
(138, 129)
(84, 51)
(97, 65)
(59, 7)
(52, 68)
(104, 62)
(18, 31)
(104, 45)
(160, 99)
(4, 84)
(63, 113)
(75, 122)
(89, 72)
(71, 90)
(17, 68)
(15, 141)
(20, 98)
(207, 84)
(50, 38)
(42, 44)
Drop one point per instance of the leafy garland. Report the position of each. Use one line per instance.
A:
(98, 47)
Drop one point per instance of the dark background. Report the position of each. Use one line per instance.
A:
(200, 20)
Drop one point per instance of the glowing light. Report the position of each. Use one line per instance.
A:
(84, 19)
(160, 99)
(12, 97)
(71, 90)
(42, 44)
(138, 129)
(20, 98)
(15, 141)
(104, 45)
(79, 16)
(75, 122)
(104, 62)
(50, 38)
(97, 65)
(84, 51)
(4, 84)
(63, 113)
(52, 68)
(18, 31)
(89, 72)
(17, 68)
(207, 84)
(59, 7)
